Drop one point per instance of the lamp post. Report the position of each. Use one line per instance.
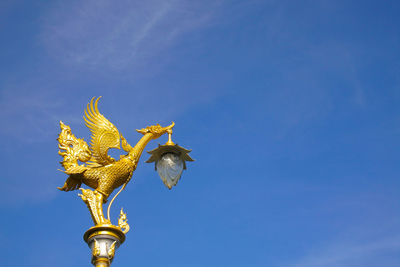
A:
(104, 174)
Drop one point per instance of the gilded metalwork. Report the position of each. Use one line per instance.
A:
(101, 172)
(91, 165)
(123, 222)
(103, 241)
(104, 230)
(101, 262)
(96, 248)
(93, 200)
(111, 250)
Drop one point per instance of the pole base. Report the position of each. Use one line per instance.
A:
(103, 240)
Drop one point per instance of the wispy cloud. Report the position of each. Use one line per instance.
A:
(96, 35)
(352, 253)
(99, 35)
(26, 112)
(118, 34)
(32, 116)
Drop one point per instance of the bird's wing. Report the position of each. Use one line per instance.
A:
(76, 169)
(104, 135)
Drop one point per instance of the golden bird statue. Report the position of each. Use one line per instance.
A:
(98, 170)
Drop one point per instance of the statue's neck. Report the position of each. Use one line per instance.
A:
(137, 150)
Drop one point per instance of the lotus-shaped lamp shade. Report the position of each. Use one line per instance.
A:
(170, 168)
(170, 161)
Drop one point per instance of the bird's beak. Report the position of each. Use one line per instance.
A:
(142, 131)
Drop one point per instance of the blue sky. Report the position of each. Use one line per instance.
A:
(291, 109)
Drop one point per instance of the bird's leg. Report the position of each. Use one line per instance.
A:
(90, 198)
(94, 201)
(99, 208)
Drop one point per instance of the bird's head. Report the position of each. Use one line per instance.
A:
(156, 130)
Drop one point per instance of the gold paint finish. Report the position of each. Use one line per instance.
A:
(101, 262)
(98, 170)
(106, 229)
(91, 165)
(99, 237)
(123, 222)
(169, 142)
(111, 250)
(96, 249)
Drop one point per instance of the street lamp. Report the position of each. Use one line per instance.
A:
(170, 161)
(91, 165)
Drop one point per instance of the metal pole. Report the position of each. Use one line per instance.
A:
(102, 262)
(103, 241)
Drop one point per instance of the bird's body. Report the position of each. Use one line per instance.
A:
(101, 172)
(105, 178)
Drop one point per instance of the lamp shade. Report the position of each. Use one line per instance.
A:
(170, 161)
(170, 168)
